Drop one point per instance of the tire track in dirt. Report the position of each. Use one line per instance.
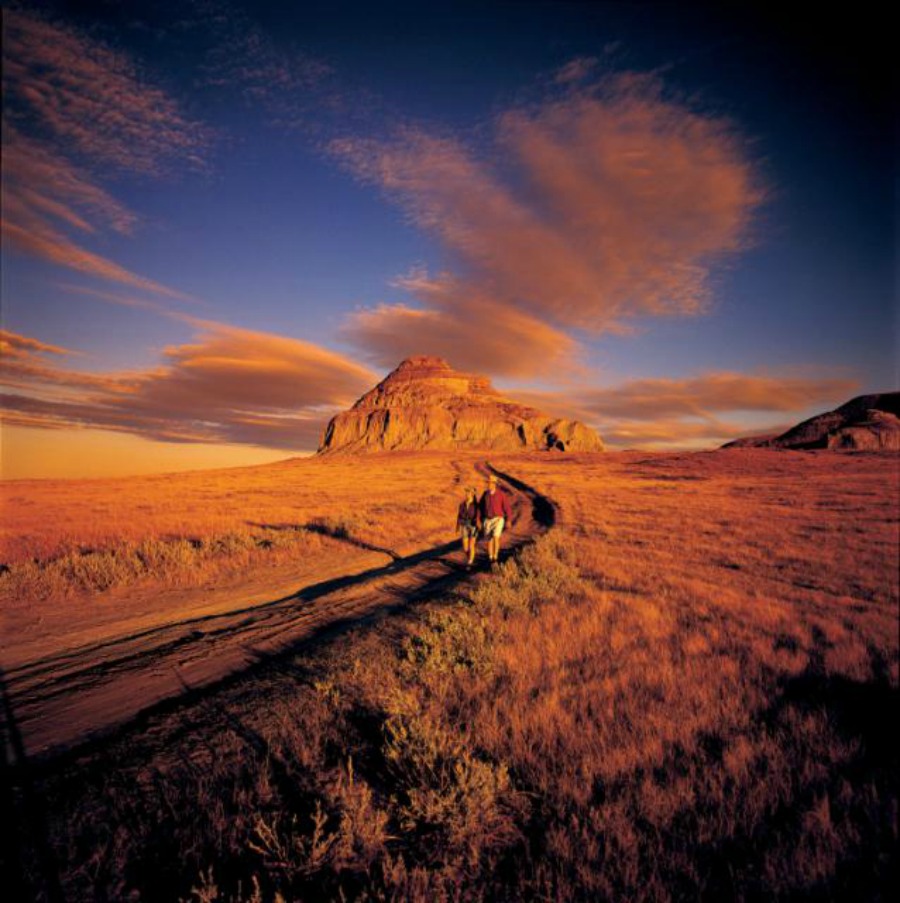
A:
(61, 701)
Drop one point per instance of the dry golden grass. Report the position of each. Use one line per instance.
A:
(60, 537)
(684, 690)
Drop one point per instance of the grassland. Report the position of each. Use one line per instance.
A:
(66, 537)
(683, 690)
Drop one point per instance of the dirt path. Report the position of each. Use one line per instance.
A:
(58, 701)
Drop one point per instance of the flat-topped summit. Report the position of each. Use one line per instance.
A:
(424, 378)
(425, 403)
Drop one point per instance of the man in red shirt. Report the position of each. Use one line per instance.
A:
(495, 515)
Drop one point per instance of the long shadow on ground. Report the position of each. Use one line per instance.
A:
(202, 628)
(307, 594)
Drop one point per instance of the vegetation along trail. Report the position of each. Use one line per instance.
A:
(60, 700)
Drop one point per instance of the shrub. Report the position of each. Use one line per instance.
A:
(466, 805)
(450, 641)
(543, 572)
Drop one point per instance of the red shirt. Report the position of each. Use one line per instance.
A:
(495, 504)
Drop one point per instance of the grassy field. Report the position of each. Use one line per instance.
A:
(63, 538)
(683, 690)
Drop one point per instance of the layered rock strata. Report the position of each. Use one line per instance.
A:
(426, 404)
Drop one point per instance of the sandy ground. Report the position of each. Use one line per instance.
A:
(131, 651)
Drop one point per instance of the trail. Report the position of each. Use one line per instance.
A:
(57, 702)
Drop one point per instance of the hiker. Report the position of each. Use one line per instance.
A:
(495, 515)
(468, 522)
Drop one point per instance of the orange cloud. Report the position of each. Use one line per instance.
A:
(36, 178)
(79, 100)
(14, 345)
(670, 433)
(42, 241)
(34, 376)
(39, 187)
(607, 204)
(474, 335)
(232, 385)
(646, 399)
(671, 412)
(90, 98)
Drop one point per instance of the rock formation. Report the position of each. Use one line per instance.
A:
(425, 404)
(870, 422)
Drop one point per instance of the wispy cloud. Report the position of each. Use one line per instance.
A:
(710, 408)
(32, 236)
(119, 299)
(576, 70)
(24, 364)
(231, 385)
(609, 203)
(670, 433)
(647, 399)
(73, 107)
(472, 334)
(289, 86)
(39, 179)
(13, 345)
(89, 98)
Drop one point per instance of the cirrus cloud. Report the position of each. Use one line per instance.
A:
(13, 345)
(91, 99)
(74, 107)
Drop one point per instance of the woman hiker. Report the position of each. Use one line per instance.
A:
(495, 515)
(468, 522)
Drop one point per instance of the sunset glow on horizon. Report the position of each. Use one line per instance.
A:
(224, 222)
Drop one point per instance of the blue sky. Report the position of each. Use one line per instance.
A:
(231, 219)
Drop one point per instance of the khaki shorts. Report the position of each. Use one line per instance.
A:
(493, 526)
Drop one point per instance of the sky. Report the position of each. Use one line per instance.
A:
(223, 222)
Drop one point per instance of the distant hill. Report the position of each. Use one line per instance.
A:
(426, 404)
(870, 422)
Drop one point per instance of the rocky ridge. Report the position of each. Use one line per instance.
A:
(426, 404)
(868, 422)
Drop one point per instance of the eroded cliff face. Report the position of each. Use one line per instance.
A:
(865, 423)
(425, 403)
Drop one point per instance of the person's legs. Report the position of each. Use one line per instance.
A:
(493, 527)
(495, 539)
